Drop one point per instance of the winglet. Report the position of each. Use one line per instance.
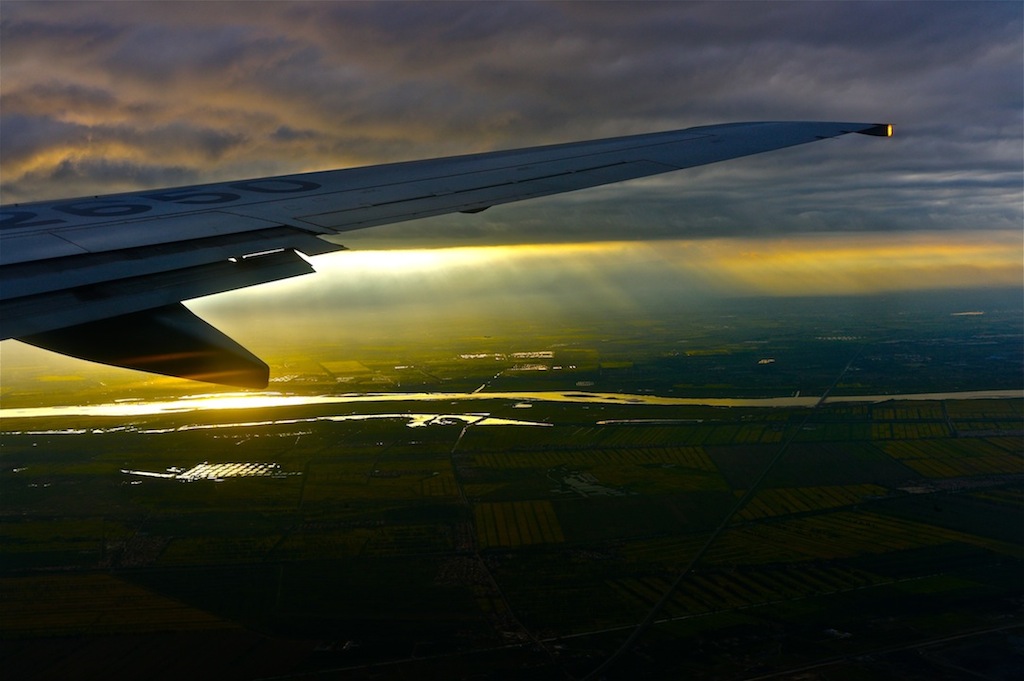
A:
(880, 130)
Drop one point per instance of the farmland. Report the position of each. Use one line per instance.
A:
(452, 549)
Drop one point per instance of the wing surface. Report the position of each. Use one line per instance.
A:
(76, 271)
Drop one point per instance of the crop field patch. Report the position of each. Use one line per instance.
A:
(515, 524)
(203, 550)
(90, 604)
(671, 552)
(711, 591)
(785, 501)
(845, 534)
(686, 457)
(836, 463)
(951, 458)
(897, 430)
(335, 544)
(979, 515)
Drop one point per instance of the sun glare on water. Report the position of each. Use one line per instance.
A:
(230, 401)
(205, 402)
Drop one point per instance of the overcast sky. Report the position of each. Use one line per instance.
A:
(104, 97)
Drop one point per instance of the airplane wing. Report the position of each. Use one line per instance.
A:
(102, 278)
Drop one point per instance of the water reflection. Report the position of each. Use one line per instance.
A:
(412, 421)
(216, 472)
(272, 399)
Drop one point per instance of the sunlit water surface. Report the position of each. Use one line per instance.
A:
(227, 401)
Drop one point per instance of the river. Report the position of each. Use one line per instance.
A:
(270, 399)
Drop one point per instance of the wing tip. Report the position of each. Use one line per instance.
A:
(878, 130)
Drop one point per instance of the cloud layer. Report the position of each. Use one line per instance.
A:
(106, 97)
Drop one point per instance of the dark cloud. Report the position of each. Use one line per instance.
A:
(21, 35)
(288, 134)
(118, 174)
(60, 99)
(211, 90)
(22, 137)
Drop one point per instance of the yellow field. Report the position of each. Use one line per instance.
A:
(441, 485)
(953, 458)
(838, 535)
(687, 457)
(517, 523)
(919, 411)
(346, 367)
(907, 431)
(708, 592)
(783, 501)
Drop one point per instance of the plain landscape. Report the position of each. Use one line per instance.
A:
(518, 505)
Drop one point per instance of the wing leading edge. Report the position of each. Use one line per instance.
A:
(102, 278)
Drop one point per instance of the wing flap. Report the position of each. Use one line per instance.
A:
(34, 247)
(168, 340)
(29, 279)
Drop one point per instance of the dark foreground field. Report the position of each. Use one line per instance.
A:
(843, 542)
